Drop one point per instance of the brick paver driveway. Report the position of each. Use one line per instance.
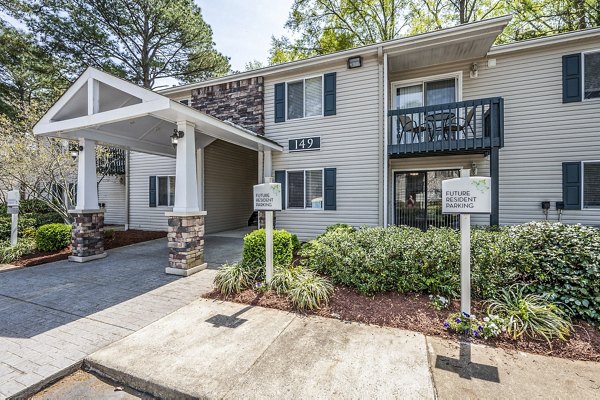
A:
(53, 315)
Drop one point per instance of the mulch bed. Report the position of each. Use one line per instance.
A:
(118, 239)
(413, 312)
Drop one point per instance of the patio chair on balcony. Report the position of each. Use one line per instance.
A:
(407, 126)
(455, 126)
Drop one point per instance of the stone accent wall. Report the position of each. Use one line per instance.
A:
(241, 102)
(186, 242)
(261, 219)
(87, 234)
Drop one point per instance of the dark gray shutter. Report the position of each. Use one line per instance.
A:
(329, 89)
(330, 188)
(280, 178)
(152, 192)
(279, 102)
(572, 185)
(571, 68)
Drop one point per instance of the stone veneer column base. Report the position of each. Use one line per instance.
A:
(87, 235)
(186, 243)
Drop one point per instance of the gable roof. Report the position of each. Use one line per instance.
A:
(110, 110)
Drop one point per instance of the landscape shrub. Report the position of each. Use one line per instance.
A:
(562, 261)
(53, 237)
(254, 248)
(10, 253)
(32, 215)
(309, 291)
(284, 278)
(295, 244)
(530, 314)
(233, 278)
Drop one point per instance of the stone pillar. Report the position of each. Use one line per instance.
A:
(186, 243)
(87, 235)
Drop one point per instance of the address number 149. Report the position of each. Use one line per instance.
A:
(301, 144)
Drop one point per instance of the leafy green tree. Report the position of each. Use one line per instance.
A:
(325, 26)
(27, 72)
(139, 40)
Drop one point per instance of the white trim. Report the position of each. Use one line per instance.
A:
(287, 190)
(543, 41)
(385, 140)
(583, 54)
(168, 191)
(583, 208)
(414, 41)
(303, 80)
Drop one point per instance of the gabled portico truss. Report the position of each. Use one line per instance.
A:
(101, 108)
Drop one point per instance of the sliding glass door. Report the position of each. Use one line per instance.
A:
(418, 199)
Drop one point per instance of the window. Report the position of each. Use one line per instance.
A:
(427, 93)
(591, 75)
(591, 184)
(165, 193)
(305, 98)
(305, 189)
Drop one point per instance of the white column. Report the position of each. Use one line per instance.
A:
(87, 188)
(267, 164)
(465, 257)
(186, 183)
(200, 176)
(261, 175)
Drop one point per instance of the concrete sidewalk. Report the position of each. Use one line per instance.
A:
(53, 315)
(212, 349)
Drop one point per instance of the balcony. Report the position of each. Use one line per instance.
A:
(471, 126)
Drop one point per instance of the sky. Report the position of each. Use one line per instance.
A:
(242, 29)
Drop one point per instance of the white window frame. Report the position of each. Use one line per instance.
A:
(303, 80)
(287, 194)
(583, 183)
(458, 76)
(583, 53)
(169, 177)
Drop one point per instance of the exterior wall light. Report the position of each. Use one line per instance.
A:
(75, 151)
(474, 73)
(354, 62)
(175, 137)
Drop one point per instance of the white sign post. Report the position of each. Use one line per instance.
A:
(267, 198)
(465, 196)
(13, 208)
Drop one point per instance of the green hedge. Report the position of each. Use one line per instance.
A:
(254, 249)
(563, 260)
(53, 237)
(32, 215)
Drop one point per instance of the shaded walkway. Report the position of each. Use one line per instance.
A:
(53, 315)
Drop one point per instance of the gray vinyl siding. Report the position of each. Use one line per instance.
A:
(142, 166)
(111, 192)
(230, 172)
(540, 131)
(351, 142)
(438, 163)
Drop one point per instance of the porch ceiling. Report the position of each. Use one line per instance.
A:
(111, 111)
(470, 42)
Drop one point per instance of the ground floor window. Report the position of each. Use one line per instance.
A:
(418, 199)
(305, 189)
(591, 184)
(165, 193)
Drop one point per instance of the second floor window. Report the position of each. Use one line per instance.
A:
(591, 78)
(305, 98)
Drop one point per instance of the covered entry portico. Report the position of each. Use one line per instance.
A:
(100, 108)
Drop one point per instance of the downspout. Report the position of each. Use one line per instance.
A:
(385, 140)
(127, 189)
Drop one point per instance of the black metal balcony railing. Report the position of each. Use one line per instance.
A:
(461, 127)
